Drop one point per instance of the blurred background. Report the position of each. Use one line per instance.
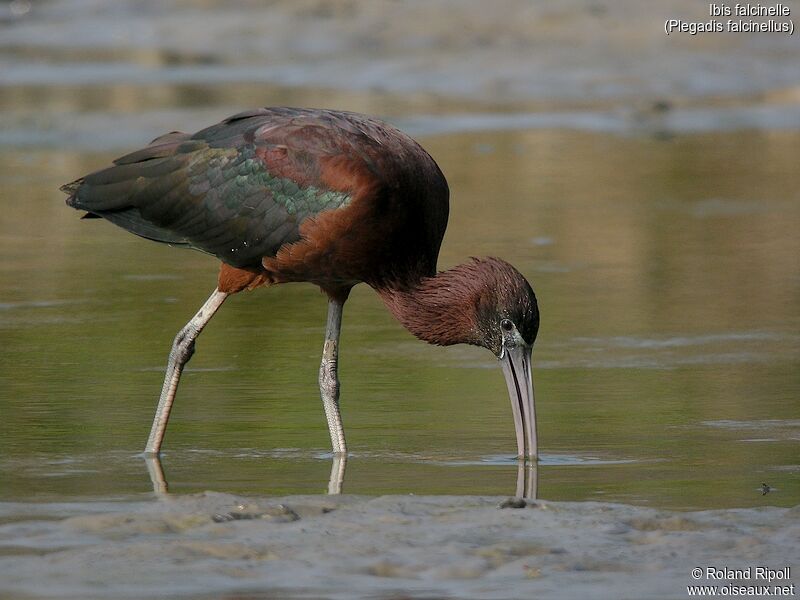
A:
(646, 184)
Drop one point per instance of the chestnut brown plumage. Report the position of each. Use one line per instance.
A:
(332, 198)
(465, 304)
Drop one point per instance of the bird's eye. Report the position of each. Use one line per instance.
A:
(506, 324)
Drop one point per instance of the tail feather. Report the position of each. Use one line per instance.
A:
(71, 188)
(132, 220)
(160, 147)
(111, 193)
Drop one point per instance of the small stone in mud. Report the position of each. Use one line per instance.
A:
(617, 529)
(513, 503)
(531, 572)
(662, 106)
(234, 516)
(280, 513)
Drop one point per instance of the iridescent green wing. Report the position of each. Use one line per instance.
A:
(238, 190)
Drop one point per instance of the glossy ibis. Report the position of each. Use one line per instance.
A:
(332, 198)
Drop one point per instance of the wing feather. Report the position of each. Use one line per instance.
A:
(238, 190)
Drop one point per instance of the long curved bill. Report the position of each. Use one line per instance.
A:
(516, 363)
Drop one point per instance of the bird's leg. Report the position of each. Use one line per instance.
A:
(182, 351)
(329, 378)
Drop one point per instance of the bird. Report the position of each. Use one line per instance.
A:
(332, 198)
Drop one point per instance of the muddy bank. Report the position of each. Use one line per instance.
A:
(210, 545)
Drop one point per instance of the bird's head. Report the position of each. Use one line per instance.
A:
(506, 311)
(484, 302)
(507, 321)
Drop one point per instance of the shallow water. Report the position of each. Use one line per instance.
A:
(660, 236)
(666, 369)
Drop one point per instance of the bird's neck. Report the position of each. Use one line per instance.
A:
(440, 310)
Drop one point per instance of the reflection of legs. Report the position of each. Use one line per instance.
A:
(329, 378)
(156, 472)
(182, 350)
(337, 474)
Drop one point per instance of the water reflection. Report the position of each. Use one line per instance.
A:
(527, 483)
(338, 465)
(527, 480)
(156, 472)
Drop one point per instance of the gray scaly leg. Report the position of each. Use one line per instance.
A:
(182, 350)
(329, 378)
